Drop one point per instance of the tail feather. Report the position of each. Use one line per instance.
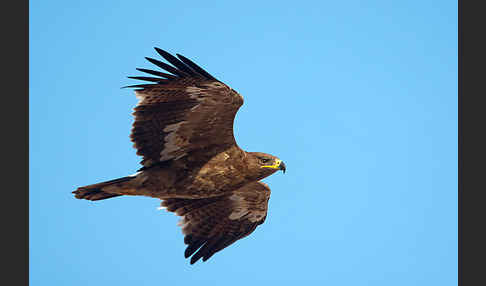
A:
(95, 192)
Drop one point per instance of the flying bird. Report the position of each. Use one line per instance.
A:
(183, 129)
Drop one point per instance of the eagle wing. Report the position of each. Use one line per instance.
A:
(212, 224)
(185, 113)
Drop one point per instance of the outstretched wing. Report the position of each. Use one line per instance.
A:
(182, 113)
(212, 224)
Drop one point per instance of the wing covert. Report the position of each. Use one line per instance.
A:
(212, 224)
(185, 112)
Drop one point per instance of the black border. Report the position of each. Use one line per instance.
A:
(471, 143)
(15, 135)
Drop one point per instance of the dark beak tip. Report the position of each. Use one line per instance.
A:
(282, 167)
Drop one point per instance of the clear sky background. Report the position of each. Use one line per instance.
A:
(359, 98)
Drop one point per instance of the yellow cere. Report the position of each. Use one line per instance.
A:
(274, 166)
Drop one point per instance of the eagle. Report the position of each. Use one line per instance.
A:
(183, 129)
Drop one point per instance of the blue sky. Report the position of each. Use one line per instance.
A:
(365, 97)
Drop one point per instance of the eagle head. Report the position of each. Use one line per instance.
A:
(265, 164)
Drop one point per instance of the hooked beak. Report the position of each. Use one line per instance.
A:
(282, 167)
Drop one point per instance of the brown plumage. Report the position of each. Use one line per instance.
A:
(183, 129)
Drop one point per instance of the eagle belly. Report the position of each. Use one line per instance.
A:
(223, 173)
(220, 175)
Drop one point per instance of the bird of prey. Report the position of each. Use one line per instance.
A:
(183, 129)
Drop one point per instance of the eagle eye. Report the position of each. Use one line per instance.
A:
(264, 160)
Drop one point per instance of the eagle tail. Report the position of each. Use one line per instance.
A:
(95, 192)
